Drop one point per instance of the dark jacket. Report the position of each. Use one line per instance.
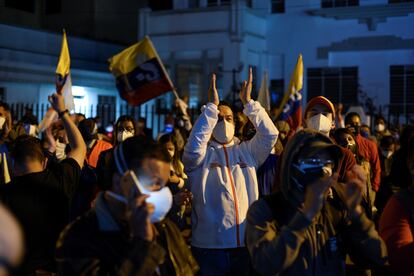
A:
(95, 244)
(281, 240)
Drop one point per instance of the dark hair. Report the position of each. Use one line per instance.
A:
(170, 137)
(5, 106)
(134, 150)
(387, 141)
(86, 128)
(121, 119)
(341, 131)
(224, 103)
(27, 147)
(349, 116)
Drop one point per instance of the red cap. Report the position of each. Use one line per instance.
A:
(323, 101)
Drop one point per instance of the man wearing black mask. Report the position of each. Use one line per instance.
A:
(367, 149)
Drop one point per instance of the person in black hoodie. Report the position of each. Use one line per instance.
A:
(307, 227)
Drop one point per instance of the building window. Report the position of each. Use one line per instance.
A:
(277, 90)
(278, 6)
(338, 84)
(106, 109)
(23, 5)
(2, 94)
(216, 3)
(193, 4)
(402, 89)
(53, 6)
(399, 1)
(190, 80)
(159, 5)
(339, 3)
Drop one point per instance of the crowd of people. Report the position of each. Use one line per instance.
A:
(233, 193)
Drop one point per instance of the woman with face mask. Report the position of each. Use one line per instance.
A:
(177, 183)
(345, 138)
(125, 127)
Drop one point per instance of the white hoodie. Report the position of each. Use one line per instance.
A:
(223, 178)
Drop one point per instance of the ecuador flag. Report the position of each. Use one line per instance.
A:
(292, 102)
(140, 74)
(63, 79)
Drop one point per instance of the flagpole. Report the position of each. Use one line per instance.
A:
(163, 68)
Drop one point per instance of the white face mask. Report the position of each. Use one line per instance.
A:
(380, 127)
(320, 123)
(223, 132)
(387, 153)
(162, 199)
(171, 152)
(30, 129)
(60, 150)
(123, 135)
(2, 121)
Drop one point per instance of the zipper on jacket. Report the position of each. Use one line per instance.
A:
(233, 189)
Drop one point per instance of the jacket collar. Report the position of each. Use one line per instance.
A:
(106, 221)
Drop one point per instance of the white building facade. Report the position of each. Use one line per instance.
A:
(354, 52)
(28, 60)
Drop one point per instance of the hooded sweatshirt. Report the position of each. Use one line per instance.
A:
(281, 240)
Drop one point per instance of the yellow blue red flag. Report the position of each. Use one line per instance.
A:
(139, 73)
(291, 106)
(63, 79)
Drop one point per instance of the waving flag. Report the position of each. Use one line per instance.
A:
(264, 98)
(291, 106)
(63, 80)
(140, 74)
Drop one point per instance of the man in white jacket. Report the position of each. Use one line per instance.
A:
(222, 175)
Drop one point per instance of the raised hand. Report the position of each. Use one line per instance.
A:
(354, 188)
(315, 195)
(246, 90)
(139, 217)
(57, 101)
(213, 96)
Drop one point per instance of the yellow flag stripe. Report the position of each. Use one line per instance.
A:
(295, 84)
(130, 58)
(63, 66)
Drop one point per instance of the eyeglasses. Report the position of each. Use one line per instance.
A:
(129, 129)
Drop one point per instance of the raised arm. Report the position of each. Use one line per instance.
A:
(77, 145)
(266, 132)
(365, 245)
(195, 149)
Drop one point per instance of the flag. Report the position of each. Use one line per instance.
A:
(139, 72)
(63, 80)
(291, 106)
(264, 98)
